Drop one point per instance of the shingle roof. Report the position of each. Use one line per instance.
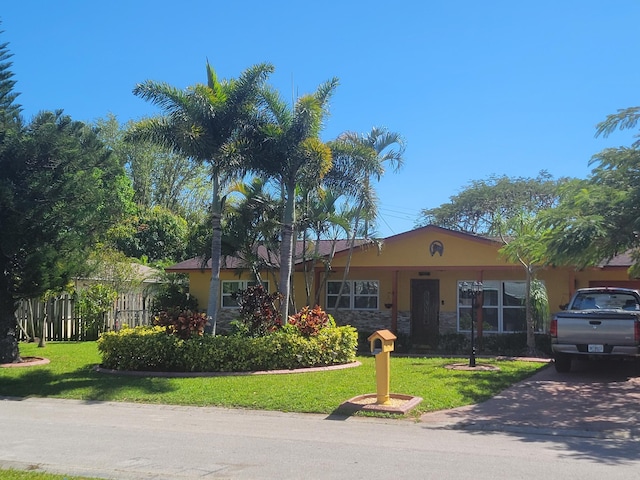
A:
(324, 249)
(342, 246)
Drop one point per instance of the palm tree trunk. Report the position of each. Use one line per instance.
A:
(352, 242)
(286, 251)
(216, 248)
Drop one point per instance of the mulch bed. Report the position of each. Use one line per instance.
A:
(26, 362)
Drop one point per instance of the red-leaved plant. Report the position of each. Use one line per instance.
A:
(310, 321)
(258, 313)
(182, 323)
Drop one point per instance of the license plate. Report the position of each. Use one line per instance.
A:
(596, 348)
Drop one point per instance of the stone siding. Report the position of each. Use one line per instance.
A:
(363, 321)
(448, 322)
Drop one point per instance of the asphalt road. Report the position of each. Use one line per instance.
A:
(135, 441)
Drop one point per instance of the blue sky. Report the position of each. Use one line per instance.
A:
(476, 88)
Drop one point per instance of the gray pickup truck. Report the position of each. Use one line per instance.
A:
(601, 322)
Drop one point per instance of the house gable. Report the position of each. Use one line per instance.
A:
(427, 247)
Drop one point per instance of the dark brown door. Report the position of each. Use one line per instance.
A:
(425, 301)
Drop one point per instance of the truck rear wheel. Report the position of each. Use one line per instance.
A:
(562, 363)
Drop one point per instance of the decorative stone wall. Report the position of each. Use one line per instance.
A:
(448, 322)
(364, 321)
(370, 321)
(225, 317)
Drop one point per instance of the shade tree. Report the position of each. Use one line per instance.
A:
(60, 191)
(481, 203)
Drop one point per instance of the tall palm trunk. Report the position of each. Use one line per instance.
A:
(286, 250)
(216, 248)
(352, 243)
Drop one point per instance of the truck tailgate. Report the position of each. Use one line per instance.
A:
(606, 328)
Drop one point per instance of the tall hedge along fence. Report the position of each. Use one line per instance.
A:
(154, 349)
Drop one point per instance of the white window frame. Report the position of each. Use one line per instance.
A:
(242, 285)
(350, 292)
(499, 307)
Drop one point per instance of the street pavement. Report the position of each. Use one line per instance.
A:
(576, 425)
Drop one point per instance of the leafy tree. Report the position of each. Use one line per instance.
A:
(201, 123)
(585, 227)
(287, 149)
(159, 177)
(478, 207)
(173, 294)
(60, 191)
(522, 237)
(111, 267)
(599, 217)
(93, 304)
(155, 233)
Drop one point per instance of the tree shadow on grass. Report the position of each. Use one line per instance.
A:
(83, 383)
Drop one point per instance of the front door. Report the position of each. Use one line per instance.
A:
(425, 309)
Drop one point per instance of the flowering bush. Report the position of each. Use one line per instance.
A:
(182, 323)
(309, 322)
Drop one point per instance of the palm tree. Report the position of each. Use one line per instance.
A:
(364, 157)
(321, 218)
(287, 149)
(202, 122)
(252, 221)
(389, 148)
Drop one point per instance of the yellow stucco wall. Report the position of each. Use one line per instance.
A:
(414, 250)
(427, 253)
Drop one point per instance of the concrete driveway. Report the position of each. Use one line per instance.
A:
(596, 399)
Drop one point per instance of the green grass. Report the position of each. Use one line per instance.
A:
(35, 475)
(70, 375)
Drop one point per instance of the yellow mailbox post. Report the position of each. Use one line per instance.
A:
(381, 344)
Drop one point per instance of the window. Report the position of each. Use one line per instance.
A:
(231, 287)
(356, 294)
(503, 307)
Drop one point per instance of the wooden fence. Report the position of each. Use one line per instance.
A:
(58, 319)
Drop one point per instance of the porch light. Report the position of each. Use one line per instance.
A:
(472, 290)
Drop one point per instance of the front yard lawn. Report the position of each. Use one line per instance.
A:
(71, 375)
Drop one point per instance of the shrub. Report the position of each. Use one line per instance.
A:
(174, 293)
(182, 323)
(139, 348)
(93, 304)
(453, 343)
(309, 322)
(151, 349)
(515, 343)
(258, 313)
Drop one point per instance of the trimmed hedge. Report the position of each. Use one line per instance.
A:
(151, 349)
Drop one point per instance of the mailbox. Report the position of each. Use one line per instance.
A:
(381, 344)
(382, 341)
